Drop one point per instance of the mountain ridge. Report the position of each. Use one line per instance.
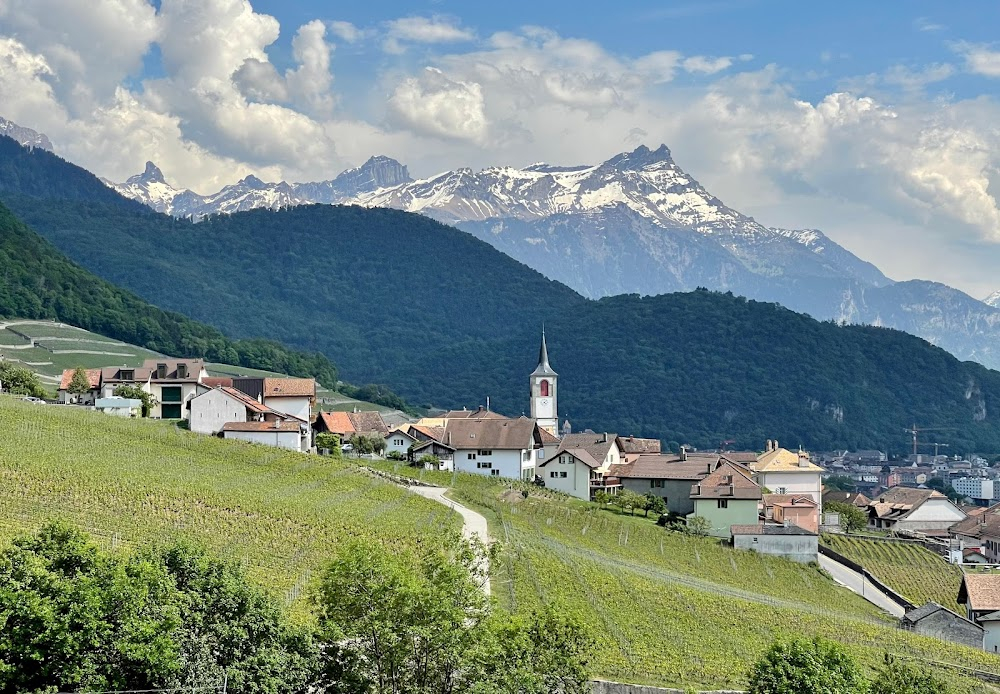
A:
(448, 320)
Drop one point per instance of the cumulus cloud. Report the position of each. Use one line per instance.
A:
(706, 66)
(345, 31)
(980, 58)
(433, 104)
(423, 30)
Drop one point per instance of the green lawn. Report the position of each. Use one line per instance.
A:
(914, 572)
(132, 481)
(671, 609)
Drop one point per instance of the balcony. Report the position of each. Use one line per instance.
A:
(604, 482)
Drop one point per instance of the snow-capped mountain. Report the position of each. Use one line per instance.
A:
(993, 299)
(151, 188)
(636, 223)
(26, 136)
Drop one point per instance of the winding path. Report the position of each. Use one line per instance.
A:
(852, 580)
(474, 524)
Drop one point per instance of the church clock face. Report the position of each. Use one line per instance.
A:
(544, 407)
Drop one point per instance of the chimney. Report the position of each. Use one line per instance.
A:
(697, 489)
(767, 446)
(684, 455)
(788, 522)
(732, 490)
(277, 423)
(604, 437)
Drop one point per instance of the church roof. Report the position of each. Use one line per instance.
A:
(543, 368)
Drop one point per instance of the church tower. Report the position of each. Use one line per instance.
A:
(544, 392)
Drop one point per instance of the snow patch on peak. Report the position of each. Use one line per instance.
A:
(993, 299)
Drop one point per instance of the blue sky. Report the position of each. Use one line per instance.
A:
(875, 122)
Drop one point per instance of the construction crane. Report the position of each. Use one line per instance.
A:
(914, 430)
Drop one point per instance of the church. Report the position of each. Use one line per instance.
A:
(545, 392)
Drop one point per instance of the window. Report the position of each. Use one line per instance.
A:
(723, 503)
(543, 388)
(656, 484)
(127, 375)
(485, 453)
(495, 473)
(472, 456)
(562, 474)
(553, 474)
(484, 466)
(781, 490)
(172, 394)
(170, 411)
(397, 442)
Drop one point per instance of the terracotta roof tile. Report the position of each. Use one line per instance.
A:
(369, 422)
(93, 378)
(728, 481)
(289, 387)
(336, 422)
(217, 381)
(491, 434)
(631, 444)
(249, 402)
(980, 591)
(664, 466)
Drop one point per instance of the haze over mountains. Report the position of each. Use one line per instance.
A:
(636, 223)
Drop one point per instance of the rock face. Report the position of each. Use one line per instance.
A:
(26, 136)
(636, 223)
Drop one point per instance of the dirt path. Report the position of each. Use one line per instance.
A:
(474, 524)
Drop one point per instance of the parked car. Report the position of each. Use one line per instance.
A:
(37, 401)
(347, 447)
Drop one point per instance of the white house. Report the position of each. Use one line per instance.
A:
(906, 508)
(119, 407)
(88, 398)
(172, 382)
(495, 447)
(219, 406)
(280, 434)
(293, 396)
(785, 472)
(580, 465)
(398, 441)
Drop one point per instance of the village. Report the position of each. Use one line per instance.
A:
(777, 501)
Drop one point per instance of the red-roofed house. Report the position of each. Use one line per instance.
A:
(88, 398)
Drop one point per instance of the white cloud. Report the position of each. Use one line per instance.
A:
(310, 82)
(423, 30)
(980, 58)
(345, 31)
(924, 24)
(435, 105)
(707, 66)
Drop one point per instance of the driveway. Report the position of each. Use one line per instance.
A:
(851, 579)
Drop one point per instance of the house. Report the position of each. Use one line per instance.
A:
(794, 509)
(396, 441)
(866, 457)
(280, 434)
(347, 424)
(856, 499)
(790, 542)
(442, 451)
(581, 463)
(668, 476)
(209, 411)
(88, 398)
(293, 396)
(906, 508)
(726, 497)
(980, 595)
(495, 447)
(941, 623)
(914, 476)
(785, 472)
(171, 382)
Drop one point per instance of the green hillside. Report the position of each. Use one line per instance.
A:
(38, 282)
(671, 608)
(447, 320)
(913, 571)
(664, 608)
(129, 482)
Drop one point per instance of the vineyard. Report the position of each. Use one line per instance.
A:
(672, 609)
(131, 482)
(913, 571)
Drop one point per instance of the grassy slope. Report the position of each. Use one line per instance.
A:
(915, 572)
(676, 610)
(79, 343)
(135, 481)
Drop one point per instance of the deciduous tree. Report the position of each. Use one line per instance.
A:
(806, 667)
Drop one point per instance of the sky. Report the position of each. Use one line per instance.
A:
(877, 123)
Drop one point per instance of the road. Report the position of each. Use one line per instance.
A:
(473, 524)
(854, 581)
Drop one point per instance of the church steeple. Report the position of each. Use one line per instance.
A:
(544, 393)
(543, 368)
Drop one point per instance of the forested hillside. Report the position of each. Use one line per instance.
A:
(447, 320)
(37, 281)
